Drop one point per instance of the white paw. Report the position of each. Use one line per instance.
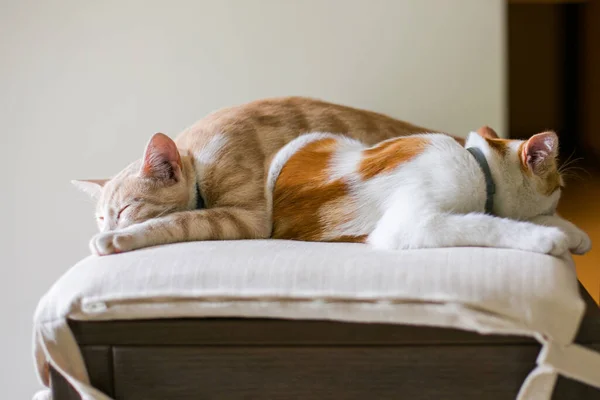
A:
(106, 243)
(381, 241)
(550, 240)
(579, 242)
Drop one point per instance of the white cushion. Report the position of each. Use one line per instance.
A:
(485, 290)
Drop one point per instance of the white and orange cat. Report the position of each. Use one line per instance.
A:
(423, 191)
(210, 182)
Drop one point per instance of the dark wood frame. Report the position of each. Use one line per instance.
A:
(285, 359)
(554, 73)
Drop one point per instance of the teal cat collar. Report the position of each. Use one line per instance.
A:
(490, 188)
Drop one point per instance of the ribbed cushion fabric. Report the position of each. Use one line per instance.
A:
(478, 289)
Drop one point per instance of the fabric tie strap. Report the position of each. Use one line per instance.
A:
(573, 361)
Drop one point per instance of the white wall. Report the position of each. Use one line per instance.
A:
(84, 83)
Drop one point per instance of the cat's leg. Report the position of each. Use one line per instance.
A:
(220, 223)
(412, 230)
(579, 241)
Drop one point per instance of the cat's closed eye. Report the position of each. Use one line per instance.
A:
(121, 211)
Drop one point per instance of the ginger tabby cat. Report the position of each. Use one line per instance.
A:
(209, 183)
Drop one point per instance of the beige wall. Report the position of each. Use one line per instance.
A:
(84, 83)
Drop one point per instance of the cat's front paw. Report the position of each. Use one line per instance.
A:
(379, 240)
(550, 240)
(579, 242)
(114, 242)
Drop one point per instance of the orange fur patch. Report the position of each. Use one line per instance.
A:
(502, 146)
(386, 156)
(350, 239)
(308, 205)
(302, 189)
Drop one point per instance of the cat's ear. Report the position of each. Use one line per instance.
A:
(487, 132)
(540, 150)
(93, 187)
(161, 159)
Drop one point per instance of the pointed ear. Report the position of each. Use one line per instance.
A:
(161, 159)
(487, 132)
(539, 150)
(92, 187)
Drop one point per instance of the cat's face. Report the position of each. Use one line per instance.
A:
(154, 186)
(529, 181)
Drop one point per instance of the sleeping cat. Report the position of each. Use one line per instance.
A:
(423, 191)
(210, 182)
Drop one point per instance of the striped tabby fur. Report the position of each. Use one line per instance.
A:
(153, 200)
